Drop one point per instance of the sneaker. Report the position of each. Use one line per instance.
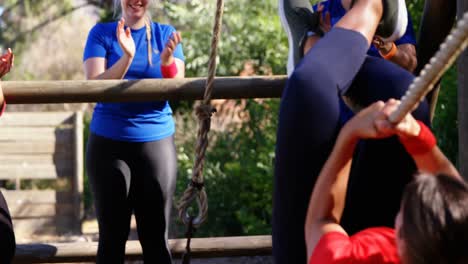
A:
(394, 20)
(297, 18)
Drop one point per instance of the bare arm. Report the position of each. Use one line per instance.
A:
(328, 198)
(167, 55)
(95, 68)
(180, 68)
(405, 55)
(434, 162)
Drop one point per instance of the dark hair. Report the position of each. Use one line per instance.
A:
(435, 220)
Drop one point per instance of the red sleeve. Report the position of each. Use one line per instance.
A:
(371, 246)
(333, 247)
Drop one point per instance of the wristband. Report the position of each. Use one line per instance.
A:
(169, 71)
(420, 144)
(391, 53)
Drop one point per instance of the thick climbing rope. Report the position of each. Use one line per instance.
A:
(195, 190)
(453, 45)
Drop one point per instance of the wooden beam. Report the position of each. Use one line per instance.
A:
(39, 92)
(201, 248)
(463, 101)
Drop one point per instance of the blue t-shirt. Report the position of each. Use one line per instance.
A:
(132, 122)
(337, 11)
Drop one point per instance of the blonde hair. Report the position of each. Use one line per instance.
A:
(118, 13)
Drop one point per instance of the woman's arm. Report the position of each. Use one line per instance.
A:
(167, 55)
(95, 67)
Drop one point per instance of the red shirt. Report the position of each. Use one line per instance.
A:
(370, 246)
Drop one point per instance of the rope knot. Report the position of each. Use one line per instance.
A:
(197, 185)
(205, 111)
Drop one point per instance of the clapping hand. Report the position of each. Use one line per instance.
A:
(168, 51)
(6, 62)
(124, 36)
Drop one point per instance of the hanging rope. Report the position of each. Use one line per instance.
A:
(453, 45)
(195, 190)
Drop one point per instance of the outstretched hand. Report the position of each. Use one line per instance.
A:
(167, 57)
(124, 36)
(372, 122)
(6, 62)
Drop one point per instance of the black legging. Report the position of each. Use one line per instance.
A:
(128, 177)
(7, 236)
(309, 122)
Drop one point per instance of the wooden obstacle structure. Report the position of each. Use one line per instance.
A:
(143, 90)
(43, 146)
(46, 92)
(200, 248)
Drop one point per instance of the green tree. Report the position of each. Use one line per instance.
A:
(251, 31)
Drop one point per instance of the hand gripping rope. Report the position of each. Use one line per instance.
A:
(453, 45)
(195, 190)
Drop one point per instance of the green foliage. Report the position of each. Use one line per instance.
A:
(416, 8)
(238, 168)
(21, 19)
(251, 31)
(238, 173)
(445, 120)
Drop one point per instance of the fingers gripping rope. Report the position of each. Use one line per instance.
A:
(453, 45)
(195, 190)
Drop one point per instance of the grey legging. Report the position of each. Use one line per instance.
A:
(128, 177)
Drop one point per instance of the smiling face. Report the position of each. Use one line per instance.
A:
(134, 10)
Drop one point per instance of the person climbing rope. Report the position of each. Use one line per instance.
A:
(432, 223)
(310, 120)
(131, 157)
(7, 234)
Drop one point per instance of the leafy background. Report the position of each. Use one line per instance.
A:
(48, 38)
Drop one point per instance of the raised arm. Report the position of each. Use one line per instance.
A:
(167, 56)
(328, 198)
(419, 142)
(95, 67)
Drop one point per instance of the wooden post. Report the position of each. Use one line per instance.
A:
(213, 247)
(78, 180)
(463, 101)
(43, 92)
